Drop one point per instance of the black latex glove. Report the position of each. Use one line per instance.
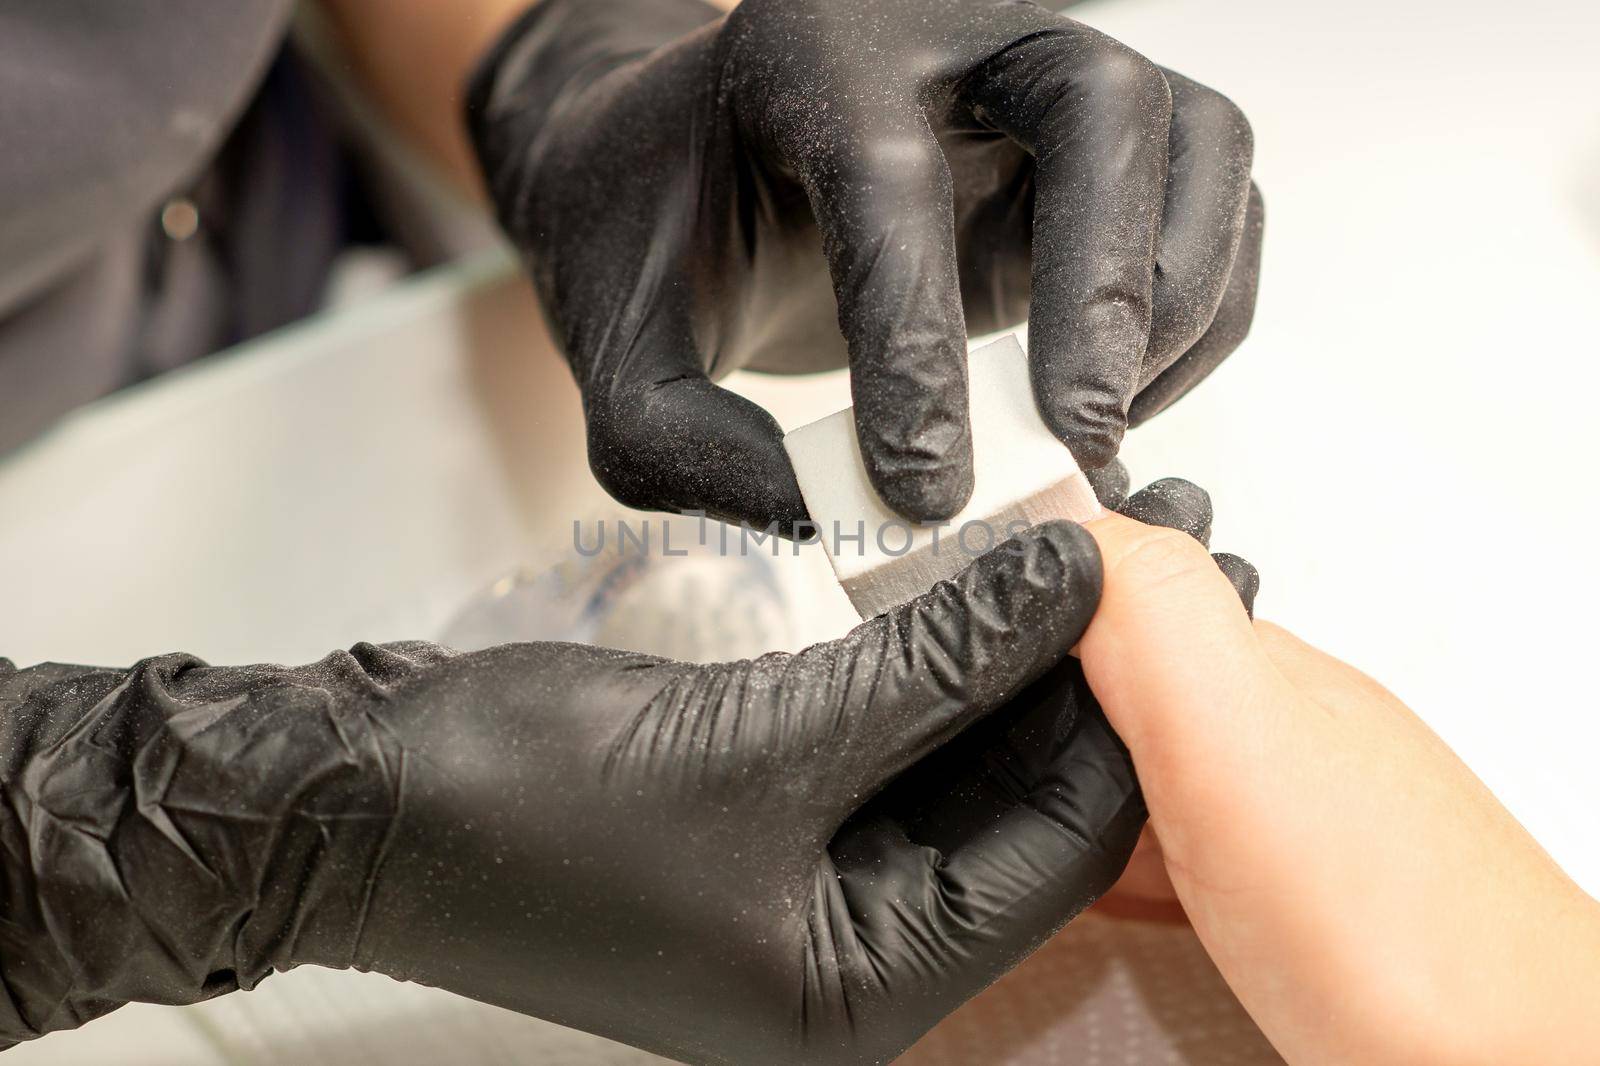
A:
(1183, 505)
(694, 194)
(1176, 504)
(645, 849)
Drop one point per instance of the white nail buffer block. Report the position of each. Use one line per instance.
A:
(1023, 476)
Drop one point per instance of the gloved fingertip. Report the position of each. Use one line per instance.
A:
(1175, 504)
(1110, 484)
(1244, 577)
(1058, 564)
(1091, 421)
(922, 491)
(770, 502)
(1035, 592)
(1072, 544)
(689, 446)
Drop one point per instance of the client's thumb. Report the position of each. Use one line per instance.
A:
(1170, 649)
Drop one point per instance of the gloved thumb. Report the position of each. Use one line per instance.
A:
(900, 686)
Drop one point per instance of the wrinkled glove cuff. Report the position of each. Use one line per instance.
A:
(176, 831)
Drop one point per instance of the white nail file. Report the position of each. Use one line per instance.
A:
(1023, 476)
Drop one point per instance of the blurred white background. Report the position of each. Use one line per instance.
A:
(1406, 444)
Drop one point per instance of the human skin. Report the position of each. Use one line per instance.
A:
(1361, 891)
(383, 39)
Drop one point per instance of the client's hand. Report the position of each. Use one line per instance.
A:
(1362, 892)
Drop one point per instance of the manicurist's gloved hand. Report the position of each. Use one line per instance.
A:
(700, 860)
(808, 181)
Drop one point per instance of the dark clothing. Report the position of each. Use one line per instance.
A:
(118, 122)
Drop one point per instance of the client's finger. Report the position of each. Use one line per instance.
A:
(1170, 639)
